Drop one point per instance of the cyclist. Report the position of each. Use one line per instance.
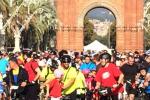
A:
(108, 77)
(70, 74)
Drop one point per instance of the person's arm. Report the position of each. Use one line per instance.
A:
(25, 78)
(147, 79)
(121, 77)
(97, 85)
(43, 74)
(71, 78)
(119, 82)
(47, 90)
(117, 74)
(98, 79)
(38, 74)
(47, 81)
(69, 83)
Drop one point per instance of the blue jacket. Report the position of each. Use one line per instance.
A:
(90, 66)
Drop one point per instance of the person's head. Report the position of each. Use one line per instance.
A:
(142, 70)
(87, 59)
(35, 57)
(130, 60)
(58, 73)
(123, 59)
(147, 58)
(86, 72)
(53, 65)
(78, 60)
(66, 60)
(105, 58)
(13, 62)
(62, 52)
(76, 54)
(42, 63)
(27, 55)
(11, 55)
(96, 58)
(53, 54)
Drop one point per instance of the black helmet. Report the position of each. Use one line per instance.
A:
(61, 53)
(105, 56)
(54, 64)
(35, 56)
(141, 67)
(66, 59)
(28, 54)
(53, 52)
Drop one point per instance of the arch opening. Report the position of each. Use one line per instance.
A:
(100, 24)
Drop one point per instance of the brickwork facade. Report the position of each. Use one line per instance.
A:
(128, 14)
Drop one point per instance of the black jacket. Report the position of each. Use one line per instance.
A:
(22, 77)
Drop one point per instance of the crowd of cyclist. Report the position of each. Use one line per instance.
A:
(64, 75)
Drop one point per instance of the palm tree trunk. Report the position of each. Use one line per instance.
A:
(38, 46)
(17, 41)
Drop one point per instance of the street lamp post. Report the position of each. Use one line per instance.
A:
(109, 37)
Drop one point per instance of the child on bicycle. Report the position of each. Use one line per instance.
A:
(54, 88)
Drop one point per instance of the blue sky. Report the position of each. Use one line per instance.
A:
(100, 13)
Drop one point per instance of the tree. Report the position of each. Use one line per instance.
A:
(146, 24)
(28, 16)
(90, 35)
(88, 31)
(113, 35)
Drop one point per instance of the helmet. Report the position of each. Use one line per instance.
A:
(54, 64)
(105, 56)
(66, 59)
(28, 54)
(58, 73)
(86, 71)
(35, 56)
(141, 67)
(53, 52)
(61, 53)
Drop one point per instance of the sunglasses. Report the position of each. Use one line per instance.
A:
(66, 61)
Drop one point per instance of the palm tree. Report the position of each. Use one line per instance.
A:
(22, 15)
(146, 23)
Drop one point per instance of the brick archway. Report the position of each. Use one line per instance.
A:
(71, 14)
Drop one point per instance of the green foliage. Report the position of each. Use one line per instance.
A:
(113, 35)
(9, 38)
(146, 25)
(88, 31)
(41, 15)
